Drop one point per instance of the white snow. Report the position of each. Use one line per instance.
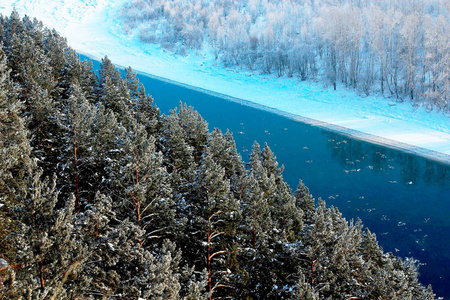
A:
(92, 27)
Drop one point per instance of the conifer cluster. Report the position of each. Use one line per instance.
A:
(102, 197)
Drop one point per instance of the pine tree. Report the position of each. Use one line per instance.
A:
(67, 68)
(270, 163)
(303, 290)
(146, 112)
(224, 152)
(110, 99)
(75, 161)
(119, 264)
(132, 82)
(213, 216)
(178, 154)
(286, 216)
(107, 145)
(257, 212)
(304, 201)
(108, 72)
(266, 183)
(13, 26)
(32, 74)
(195, 129)
(48, 247)
(15, 163)
(145, 183)
(254, 253)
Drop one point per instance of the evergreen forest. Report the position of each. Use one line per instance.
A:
(102, 197)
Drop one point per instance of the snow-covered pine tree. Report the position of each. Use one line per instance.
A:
(304, 201)
(12, 26)
(107, 148)
(76, 121)
(255, 276)
(211, 228)
(143, 184)
(303, 290)
(223, 149)
(118, 266)
(286, 222)
(178, 153)
(15, 163)
(108, 70)
(132, 82)
(145, 111)
(195, 129)
(47, 245)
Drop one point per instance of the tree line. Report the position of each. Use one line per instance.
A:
(102, 197)
(397, 49)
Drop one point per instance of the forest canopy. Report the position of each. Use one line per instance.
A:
(394, 48)
(102, 197)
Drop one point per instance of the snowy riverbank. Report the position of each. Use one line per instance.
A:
(92, 27)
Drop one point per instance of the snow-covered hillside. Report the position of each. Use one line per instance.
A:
(92, 27)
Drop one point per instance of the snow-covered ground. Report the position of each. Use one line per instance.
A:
(92, 27)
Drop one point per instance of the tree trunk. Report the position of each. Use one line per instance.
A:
(77, 194)
(208, 258)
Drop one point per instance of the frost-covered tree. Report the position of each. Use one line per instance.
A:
(76, 122)
(223, 149)
(195, 128)
(371, 46)
(178, 153)
(145, 184)
(213, 215)
(47, 243)
(118, 265)
(15, 163)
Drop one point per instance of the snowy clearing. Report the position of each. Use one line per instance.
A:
(92, 28)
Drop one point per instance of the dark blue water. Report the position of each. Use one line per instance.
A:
(403, 198)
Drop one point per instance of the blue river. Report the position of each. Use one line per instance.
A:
(403, 198)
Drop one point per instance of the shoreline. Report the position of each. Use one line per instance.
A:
(372, 118)
(432, 155)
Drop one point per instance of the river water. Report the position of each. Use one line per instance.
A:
(403, 198)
